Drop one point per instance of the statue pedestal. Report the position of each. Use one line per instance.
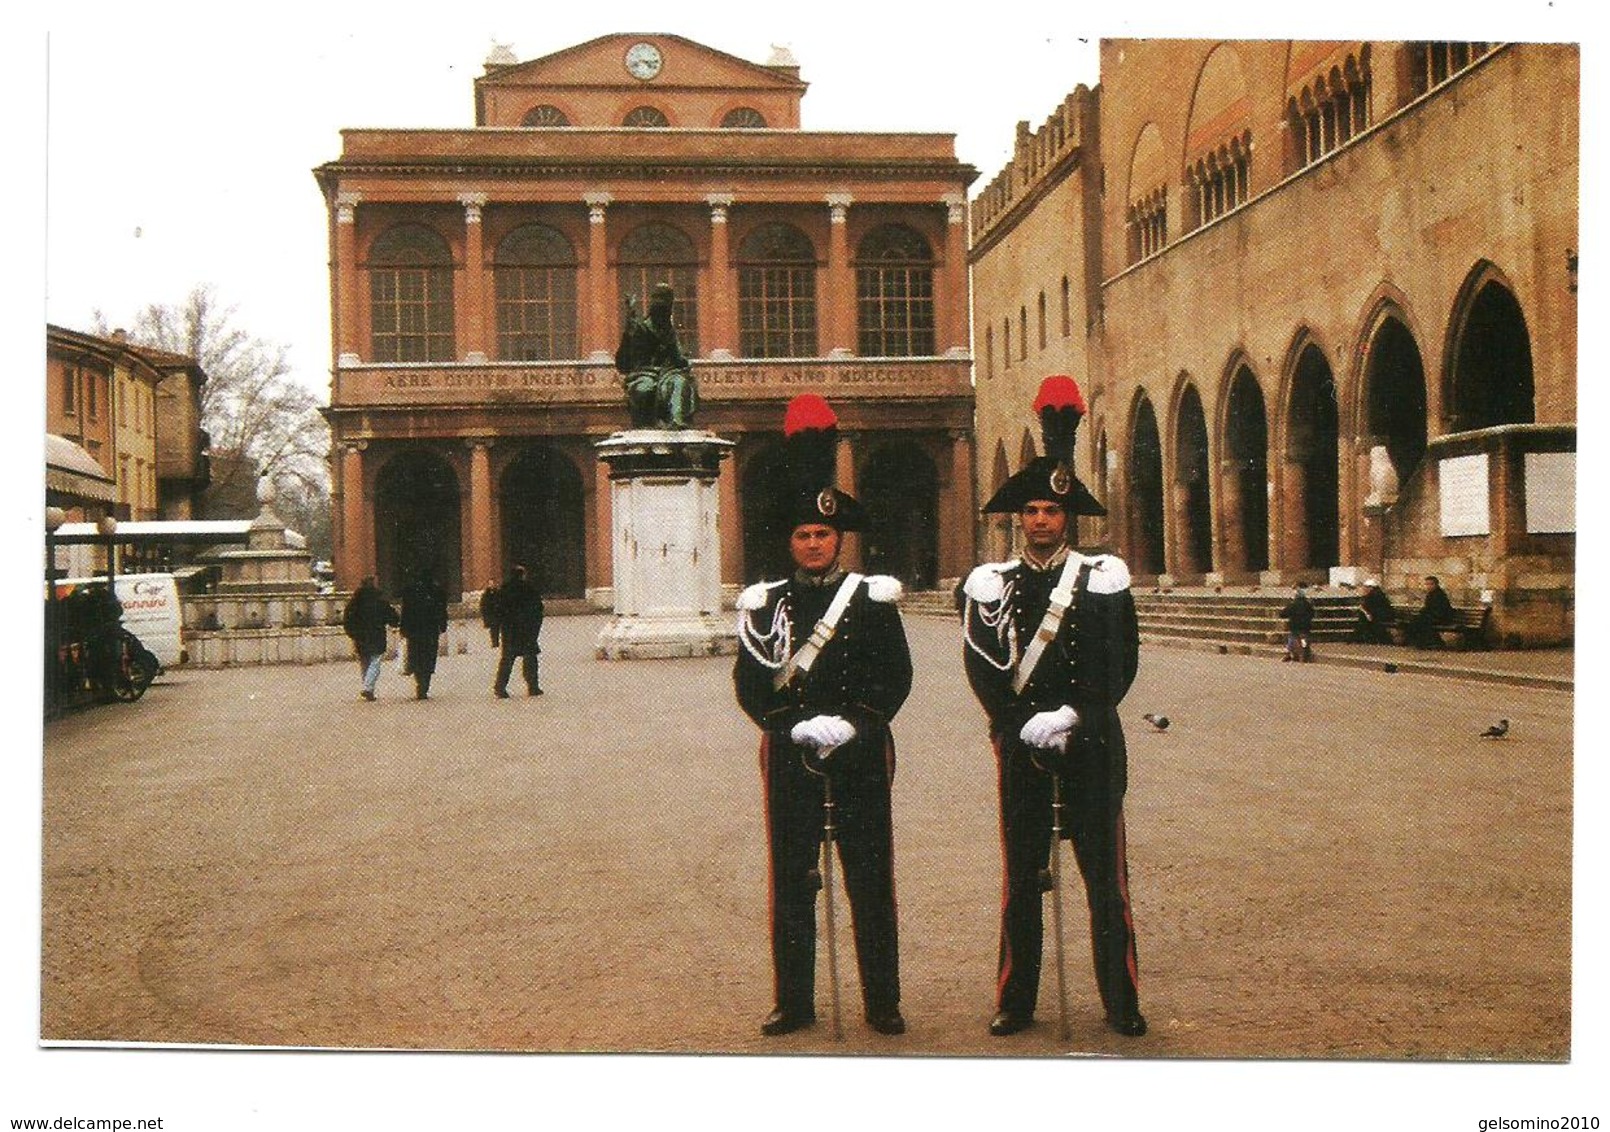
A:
(667, 545)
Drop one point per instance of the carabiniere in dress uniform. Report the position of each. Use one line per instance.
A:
(822, 668)
(1051, 645)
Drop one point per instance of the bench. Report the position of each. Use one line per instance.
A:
(1468, 627)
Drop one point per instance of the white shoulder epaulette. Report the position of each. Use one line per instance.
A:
(1108, 574)
(984, 584)
(754, 597)
(881, 587)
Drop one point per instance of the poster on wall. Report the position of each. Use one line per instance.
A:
(1463, 483)
(1550, 493)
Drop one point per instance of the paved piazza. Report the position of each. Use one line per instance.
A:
(1325, 863)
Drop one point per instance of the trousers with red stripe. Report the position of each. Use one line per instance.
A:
(1093, 819)
(865, 839)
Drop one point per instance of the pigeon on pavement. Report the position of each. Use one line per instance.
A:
(1160, 722)
(1497, 730)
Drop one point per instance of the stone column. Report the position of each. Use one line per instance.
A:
(356, 532)
(720, 330)
(850, 553)
(838, 285)
(599, 329)
(957, 510)
(471, 321)
(346, 278)
(950, 283)
(478, 561)
(731, 525)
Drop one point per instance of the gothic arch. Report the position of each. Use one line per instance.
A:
(1309, 431)
(1389, 396)
(1243, 431)
(1487, 375)
(1219, 104)
(1144, 489)
(1190, 491)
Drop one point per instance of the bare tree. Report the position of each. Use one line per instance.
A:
(262, 422)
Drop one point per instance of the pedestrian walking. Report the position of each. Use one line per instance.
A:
(1051, 646)
(822, 668)
(489, 610)
(423, 621)
(519, 620)
(365, 621)
(1299, 616)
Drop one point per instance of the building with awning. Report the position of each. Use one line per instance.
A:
(74, 480)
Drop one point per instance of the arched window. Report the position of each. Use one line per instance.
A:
(1067, 307)
(545, 115)
(658, 253)
(1042, 320)
(646, 117)
(534, 274)
(411, 296)
(743, 118)
(777, 293)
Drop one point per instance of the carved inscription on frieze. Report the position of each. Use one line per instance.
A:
(587, 384)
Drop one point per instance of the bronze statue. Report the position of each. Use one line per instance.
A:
(660, 389)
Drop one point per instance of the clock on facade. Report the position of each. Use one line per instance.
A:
(643, 61)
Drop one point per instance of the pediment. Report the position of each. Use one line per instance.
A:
(602, 64)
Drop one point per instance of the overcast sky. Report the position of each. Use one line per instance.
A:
(179, 151)
(179, 148)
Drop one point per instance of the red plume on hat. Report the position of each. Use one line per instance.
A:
(1060, 406)
(810, 435)
(810, 446)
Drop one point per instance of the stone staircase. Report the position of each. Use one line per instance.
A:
(1237, 616)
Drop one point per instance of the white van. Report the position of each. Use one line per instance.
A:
(150, 611)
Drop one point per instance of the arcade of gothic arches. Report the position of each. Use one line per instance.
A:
(1263, 485)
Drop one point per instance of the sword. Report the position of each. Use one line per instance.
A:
(1056, 888)
(829, 831)
(1056, 900)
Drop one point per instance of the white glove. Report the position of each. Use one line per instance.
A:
(1048, 730)
(824, 732)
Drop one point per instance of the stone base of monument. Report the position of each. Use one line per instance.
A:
(667, 545)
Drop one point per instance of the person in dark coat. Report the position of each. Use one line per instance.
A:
(365, 621)
(423, 621)
(1299, 616)
(489, 610)
(1375, 616)
(519, 615)
(1053, 710)
(824, 710)
(1437, 610)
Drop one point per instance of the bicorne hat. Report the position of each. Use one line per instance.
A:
(810, 450)
(1059, 406)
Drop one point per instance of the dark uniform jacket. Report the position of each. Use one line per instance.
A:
(862, 675)
(1089, 665)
